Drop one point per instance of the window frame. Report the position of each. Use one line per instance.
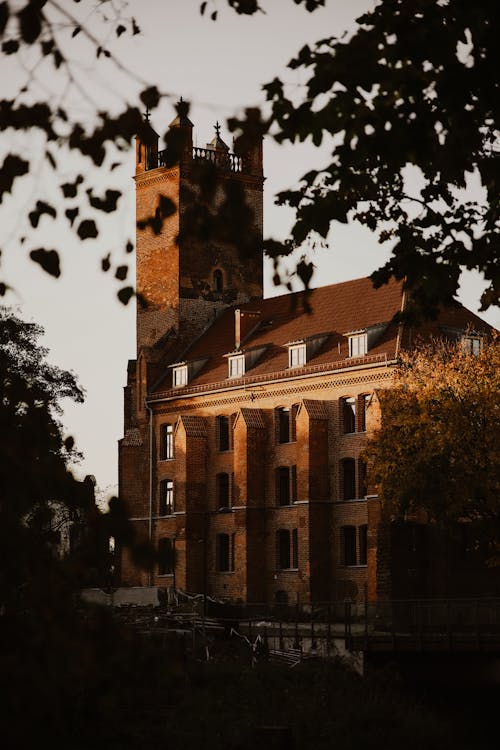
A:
(236, 366)
(355, 350)
(283, 476)
(166, 561)
(348, 408)
(223, 489)
(348, 461)
(166, 490)
(166, 442)
(472, 344)
(287, 549)
(349, 545)
(224, 552)
(299, 351)
(179, 376)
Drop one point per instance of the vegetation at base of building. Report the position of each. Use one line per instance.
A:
(64, 666)
(437, 447)
(409, 101)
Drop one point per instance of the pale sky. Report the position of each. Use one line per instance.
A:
(220, 68)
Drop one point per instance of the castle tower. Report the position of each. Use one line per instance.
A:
(199, 238)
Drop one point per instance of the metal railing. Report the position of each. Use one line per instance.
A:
(225, 160)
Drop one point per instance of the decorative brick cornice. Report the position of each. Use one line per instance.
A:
(184, 405)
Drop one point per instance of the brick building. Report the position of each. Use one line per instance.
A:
(245, 418)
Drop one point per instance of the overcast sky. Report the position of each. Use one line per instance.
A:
(220, 67)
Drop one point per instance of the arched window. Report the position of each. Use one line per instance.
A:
(218, 281)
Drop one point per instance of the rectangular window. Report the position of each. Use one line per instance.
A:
(358, 345)
(294, 484)
(287, 549)
(180, 376)
(363, 544)
(348, 545)
(237, 366)
(223, 491)
(225, 553)
(283, 485)
(297, 355)
(166, 559)
(348, 415)
(348, 475)
(472, 344)
(223, 433)
(283, 424)
(362, 478)
(364, 400)
(166, 497)
(166, 442)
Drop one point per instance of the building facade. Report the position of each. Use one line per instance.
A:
(245, 417)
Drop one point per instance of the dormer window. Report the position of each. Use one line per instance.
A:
(236, 365)
(358, 345)
(179, 376)
(296, 355)
(472, 344)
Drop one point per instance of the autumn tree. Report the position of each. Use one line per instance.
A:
(437, 447)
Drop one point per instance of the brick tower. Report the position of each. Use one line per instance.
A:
(208, 252)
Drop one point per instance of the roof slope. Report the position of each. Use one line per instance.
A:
(331, 311)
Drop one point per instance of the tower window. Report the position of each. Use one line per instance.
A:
(217, 281)
(363, 544)
(364, 401)
(283, 485)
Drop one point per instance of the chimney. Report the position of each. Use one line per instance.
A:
(245, 321)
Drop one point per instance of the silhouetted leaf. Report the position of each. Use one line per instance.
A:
(135, 28)
(105, 263)
(150, 97)
(4, 16)
(120, 30)
(106, 204)
(10, 47)
(203, 7)
(30, 21)
(213, 16)
(51, 160)
(3, 289)
(41, 208)
(58, 58)
(70, 189)
(125, 294)
(121, 273)
(12, 167)
(87, 229)
(114, 165)
(71, 214)
(48, 259)
(129, 247)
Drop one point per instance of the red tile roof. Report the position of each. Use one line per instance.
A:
(334, 310)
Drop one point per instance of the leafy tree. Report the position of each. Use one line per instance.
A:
(63, 664)
(437, 447)
(410, 103)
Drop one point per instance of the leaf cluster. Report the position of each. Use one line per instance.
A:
(437, 446)
(414, 87)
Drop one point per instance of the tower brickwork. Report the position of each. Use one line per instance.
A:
(207, 253)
